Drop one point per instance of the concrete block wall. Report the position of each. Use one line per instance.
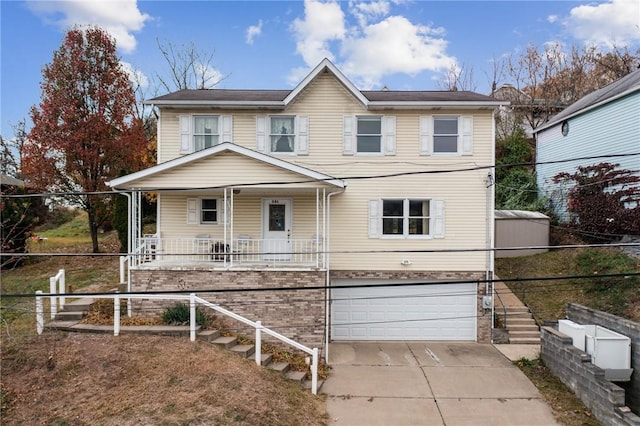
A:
(607, 400)
(298, 315)
(631, 329)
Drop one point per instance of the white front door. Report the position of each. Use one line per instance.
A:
(276, 228)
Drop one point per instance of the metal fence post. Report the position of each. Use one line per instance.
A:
(258, 342)
(53, 300)
(39, 312)
(192, 316)
(116, 315)
(62, 286)
(314, 372)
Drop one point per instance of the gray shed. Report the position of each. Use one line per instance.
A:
(520, 228)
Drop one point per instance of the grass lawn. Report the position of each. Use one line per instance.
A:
(64, 379)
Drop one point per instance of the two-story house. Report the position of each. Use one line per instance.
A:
(326, 212)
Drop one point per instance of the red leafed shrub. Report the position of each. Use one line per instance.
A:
(603, 199)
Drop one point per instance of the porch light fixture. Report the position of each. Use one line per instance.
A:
(236, 191)
(405, 262)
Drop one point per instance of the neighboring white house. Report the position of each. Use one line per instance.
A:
(605, 122)
(318, 189)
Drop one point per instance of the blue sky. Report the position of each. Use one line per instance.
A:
(401, 44)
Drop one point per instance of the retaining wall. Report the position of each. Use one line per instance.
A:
(610, 403)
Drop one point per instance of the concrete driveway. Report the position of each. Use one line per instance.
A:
(429, 383)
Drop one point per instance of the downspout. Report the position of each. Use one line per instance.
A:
(490, 275)
(327, 251)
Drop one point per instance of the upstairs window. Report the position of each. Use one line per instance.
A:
(369, 135)
(198, 132)
(445, 135)
(282, 135)
(205, 132)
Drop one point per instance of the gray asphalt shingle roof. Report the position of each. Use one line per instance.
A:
(628, 83)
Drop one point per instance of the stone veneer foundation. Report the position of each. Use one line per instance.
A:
(298, 313)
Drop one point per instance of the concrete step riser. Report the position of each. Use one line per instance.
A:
(69, 316)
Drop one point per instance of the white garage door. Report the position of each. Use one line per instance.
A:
(412, 312)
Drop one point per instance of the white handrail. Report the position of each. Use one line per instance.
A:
(193, 301)
(54, 300)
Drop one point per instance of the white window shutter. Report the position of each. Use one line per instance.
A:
(226, 135)
(389, 134)
(192, 211)
(466, 124)
(374, 218)
(437, 218)
(349, 134)
(186, 147)
(302, 137)
(426, 135)
(261, 137)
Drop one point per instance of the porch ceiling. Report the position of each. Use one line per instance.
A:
(226, 165)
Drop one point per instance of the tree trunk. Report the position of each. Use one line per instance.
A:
(93, 228)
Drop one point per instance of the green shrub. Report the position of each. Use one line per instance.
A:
(179, 314)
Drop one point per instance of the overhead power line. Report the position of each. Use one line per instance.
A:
(332, 178)
(324, 287)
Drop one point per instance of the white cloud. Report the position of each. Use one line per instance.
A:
(136, 77)
(552, 19)
(323, 23)
(375, 46)
(120, 18)
(365, 11)
(616, 22)
(253, 31)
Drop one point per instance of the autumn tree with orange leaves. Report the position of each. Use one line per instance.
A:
(85, 129)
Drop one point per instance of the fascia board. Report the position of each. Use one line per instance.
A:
(227, 146)
(326, 63)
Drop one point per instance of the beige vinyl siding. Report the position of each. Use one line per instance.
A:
(247, 217)
(225, 169)
(325, 102)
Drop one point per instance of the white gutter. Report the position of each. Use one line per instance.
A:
(327, 251)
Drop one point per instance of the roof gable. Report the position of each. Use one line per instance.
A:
(132, 181)
(619, 88)
(281, 99)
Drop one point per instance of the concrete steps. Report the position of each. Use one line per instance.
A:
(521, 327)
(231, 344)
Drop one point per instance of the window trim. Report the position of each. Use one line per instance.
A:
(458, 135)
(193, 130)
(405, 219)
(380, 118)
(201, 210)
(293, 134)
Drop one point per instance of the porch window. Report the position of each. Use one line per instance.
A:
(209, 211)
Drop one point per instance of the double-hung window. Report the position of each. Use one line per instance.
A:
(282, 135)
(446, 135)
(208, 210)
(205, 132)
(406, 218)
(369, 134)
(203, 211)
(199, 131)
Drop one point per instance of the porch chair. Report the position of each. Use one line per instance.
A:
(202, 245)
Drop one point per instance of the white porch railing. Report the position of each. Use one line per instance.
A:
(273, 252)
(59, 279)
(193, 301)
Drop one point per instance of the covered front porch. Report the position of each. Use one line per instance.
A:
(228, 207)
